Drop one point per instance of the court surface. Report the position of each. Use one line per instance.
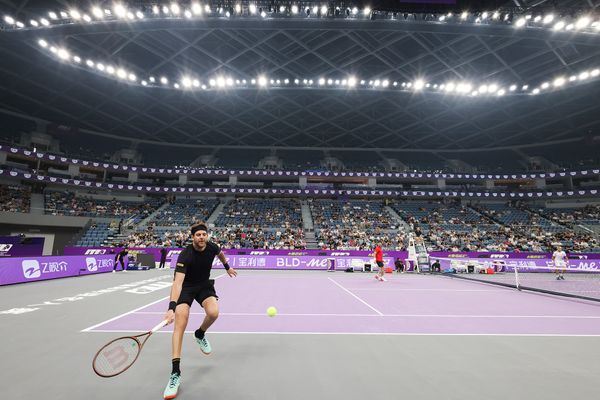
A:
(337, 336)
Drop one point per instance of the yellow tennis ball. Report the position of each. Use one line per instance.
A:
(271, 311)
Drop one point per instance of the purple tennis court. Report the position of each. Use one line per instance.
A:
(337, 303)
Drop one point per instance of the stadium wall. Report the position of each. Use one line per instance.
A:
(57, 230)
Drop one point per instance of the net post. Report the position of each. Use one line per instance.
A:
(517, 283)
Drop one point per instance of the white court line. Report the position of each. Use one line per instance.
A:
(356, 297)
(374, 333)
(124, 314)
(132, 311)
(398, 315)
(426, 290)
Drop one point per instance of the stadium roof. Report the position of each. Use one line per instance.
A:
(37, 84)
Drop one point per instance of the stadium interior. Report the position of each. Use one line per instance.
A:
(466, 126)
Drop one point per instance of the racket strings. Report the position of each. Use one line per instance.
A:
(116, 356)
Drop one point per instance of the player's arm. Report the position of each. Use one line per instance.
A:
(230, 271)
(175, 292)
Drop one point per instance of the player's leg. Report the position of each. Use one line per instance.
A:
(381, 270)
(211, 309)
(182, 313)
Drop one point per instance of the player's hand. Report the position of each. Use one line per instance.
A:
(231, 272)
(169, 316)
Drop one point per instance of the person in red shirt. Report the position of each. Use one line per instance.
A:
(378, 254)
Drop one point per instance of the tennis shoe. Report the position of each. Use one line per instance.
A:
(172, 386)
(204, 345)
(382, 279)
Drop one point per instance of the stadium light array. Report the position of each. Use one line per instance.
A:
(185, 10)
(190, 82)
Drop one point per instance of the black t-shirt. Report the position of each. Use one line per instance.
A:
(121, 255)
(196, 265)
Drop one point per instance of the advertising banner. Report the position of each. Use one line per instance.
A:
(173, 252)
(29, 269)
(17, 246)
(299, 262)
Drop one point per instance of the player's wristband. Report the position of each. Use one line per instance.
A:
(172, 305)
(226, 265)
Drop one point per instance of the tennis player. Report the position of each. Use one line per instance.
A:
(378, 254)
(560, 260)
(192, 282)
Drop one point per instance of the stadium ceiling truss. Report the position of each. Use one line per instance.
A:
(36, 85)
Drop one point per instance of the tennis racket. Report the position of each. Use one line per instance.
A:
(119, 354)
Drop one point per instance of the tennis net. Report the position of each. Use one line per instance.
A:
(570, 282)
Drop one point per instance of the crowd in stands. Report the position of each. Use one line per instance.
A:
(184, 212)
(355, 225)
(258, 238)
(69, 204)
(243, 223)
(338, 224)
(15, 198)
(261, 213)
(356, 239)
(449, 226)
(588, 215)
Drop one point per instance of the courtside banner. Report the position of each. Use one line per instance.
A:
(520, 261)
(173, 252)
(30, 269)
(299, 262)
(17, 246)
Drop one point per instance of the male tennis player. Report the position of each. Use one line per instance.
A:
(378, 254)
(192, 282)
(560, 260)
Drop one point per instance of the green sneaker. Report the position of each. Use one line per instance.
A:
(172, 386)
(204, 345)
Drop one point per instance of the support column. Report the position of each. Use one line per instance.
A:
(302, 182)
(133, 177)
(183, 179)
(73, 170)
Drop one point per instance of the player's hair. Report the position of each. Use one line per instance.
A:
(199, 226)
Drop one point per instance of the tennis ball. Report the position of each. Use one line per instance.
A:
(271, 311)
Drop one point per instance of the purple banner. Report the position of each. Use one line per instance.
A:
(499, 255)
(300, 262)
(174, 252)
(201, 171)
(30, 176)
(29, 269)
(17, 246)
(522, 262)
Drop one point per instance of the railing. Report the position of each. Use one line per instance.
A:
(111, 167)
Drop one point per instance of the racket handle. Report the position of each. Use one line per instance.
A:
(159, 326)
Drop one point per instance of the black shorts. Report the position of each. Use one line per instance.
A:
(199, 293)
(380, 264)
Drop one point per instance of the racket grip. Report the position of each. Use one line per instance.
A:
(159, 326)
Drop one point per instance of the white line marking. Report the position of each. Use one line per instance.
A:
(371, 333)
(398, 315)
(132, 311)
(122, 315)
(356, 297)
(427, 290)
